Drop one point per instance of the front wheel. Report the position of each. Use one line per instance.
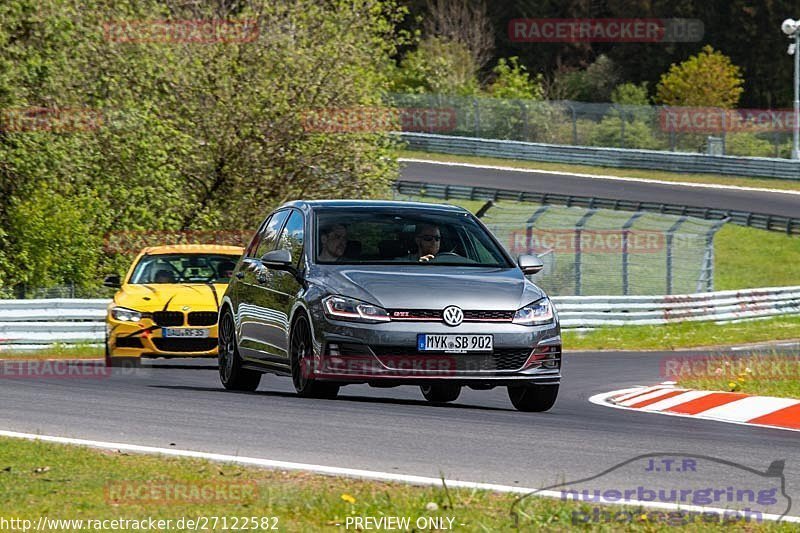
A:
(441, 392)
(532, 398)
(231, 372)
(302, 360)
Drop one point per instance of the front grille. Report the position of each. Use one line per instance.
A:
(500, 359)
(202, 318)
(433, 315)
(129, 342)
(489, 315)
(185, 345)
(168, 318)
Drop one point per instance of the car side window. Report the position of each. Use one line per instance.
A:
(256, 240)
(270, 233)
(293, 235)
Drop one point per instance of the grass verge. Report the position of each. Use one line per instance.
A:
(57, 351)
(683, 335)
(715, 179)
(751, 258)
(64, 482)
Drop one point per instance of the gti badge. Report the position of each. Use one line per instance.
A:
(453, 315)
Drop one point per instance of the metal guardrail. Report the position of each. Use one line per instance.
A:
(722, 306)
(763, 221)
(761, 167)
(17, 328)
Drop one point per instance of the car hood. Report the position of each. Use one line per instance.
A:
(429, 287)
(170, 297)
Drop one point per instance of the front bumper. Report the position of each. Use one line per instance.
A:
(386, 353)
(145, 339)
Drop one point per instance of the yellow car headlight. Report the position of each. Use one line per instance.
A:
(125, 315)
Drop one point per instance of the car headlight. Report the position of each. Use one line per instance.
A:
(126, 315)
(536, 313)
(343, 308)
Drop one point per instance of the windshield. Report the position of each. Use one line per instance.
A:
(184, 268)
(404, 236)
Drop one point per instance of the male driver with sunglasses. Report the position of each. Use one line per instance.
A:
(428, 239)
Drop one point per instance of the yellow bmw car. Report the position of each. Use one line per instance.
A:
(168, 302)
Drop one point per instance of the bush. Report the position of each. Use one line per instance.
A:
(513, 81)
(748, 144)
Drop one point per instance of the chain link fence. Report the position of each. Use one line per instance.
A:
(588, 252)
(743, 132)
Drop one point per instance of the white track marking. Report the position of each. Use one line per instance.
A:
(676, 400)
(606, 177)
(604, 399)
(748, 408)
(645, 397)
(366, 474)
(634, 392)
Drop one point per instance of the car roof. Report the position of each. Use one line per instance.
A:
(193, 248)
(311, 204)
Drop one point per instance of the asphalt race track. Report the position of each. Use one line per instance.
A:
(770, 203)
(478, 438)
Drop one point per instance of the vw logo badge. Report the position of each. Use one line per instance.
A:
(453, 315)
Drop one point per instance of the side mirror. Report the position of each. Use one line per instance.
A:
(112, 281)
(278, 259)
(530, 264)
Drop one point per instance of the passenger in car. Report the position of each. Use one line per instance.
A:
(333, 242)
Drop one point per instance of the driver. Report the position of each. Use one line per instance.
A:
(333, 241)
(428, 239)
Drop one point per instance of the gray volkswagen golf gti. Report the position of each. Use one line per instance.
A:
(338, 292)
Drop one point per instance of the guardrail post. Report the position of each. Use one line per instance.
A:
(625, 256)
(578, 253)
(670, 235)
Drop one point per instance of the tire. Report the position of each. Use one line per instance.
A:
(441, 392)
(231, 373)
(533, 398)
(301, 350)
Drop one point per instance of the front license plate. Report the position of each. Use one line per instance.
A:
(184, 332)
(455, 343)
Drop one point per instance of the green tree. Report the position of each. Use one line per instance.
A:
(437, 66)
(193, 135)
(512, 80)
(707, 79)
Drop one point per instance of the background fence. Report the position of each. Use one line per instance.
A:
(782, 224)
(595, 251)
(606, 157)
(757, 133)
(26, 324)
